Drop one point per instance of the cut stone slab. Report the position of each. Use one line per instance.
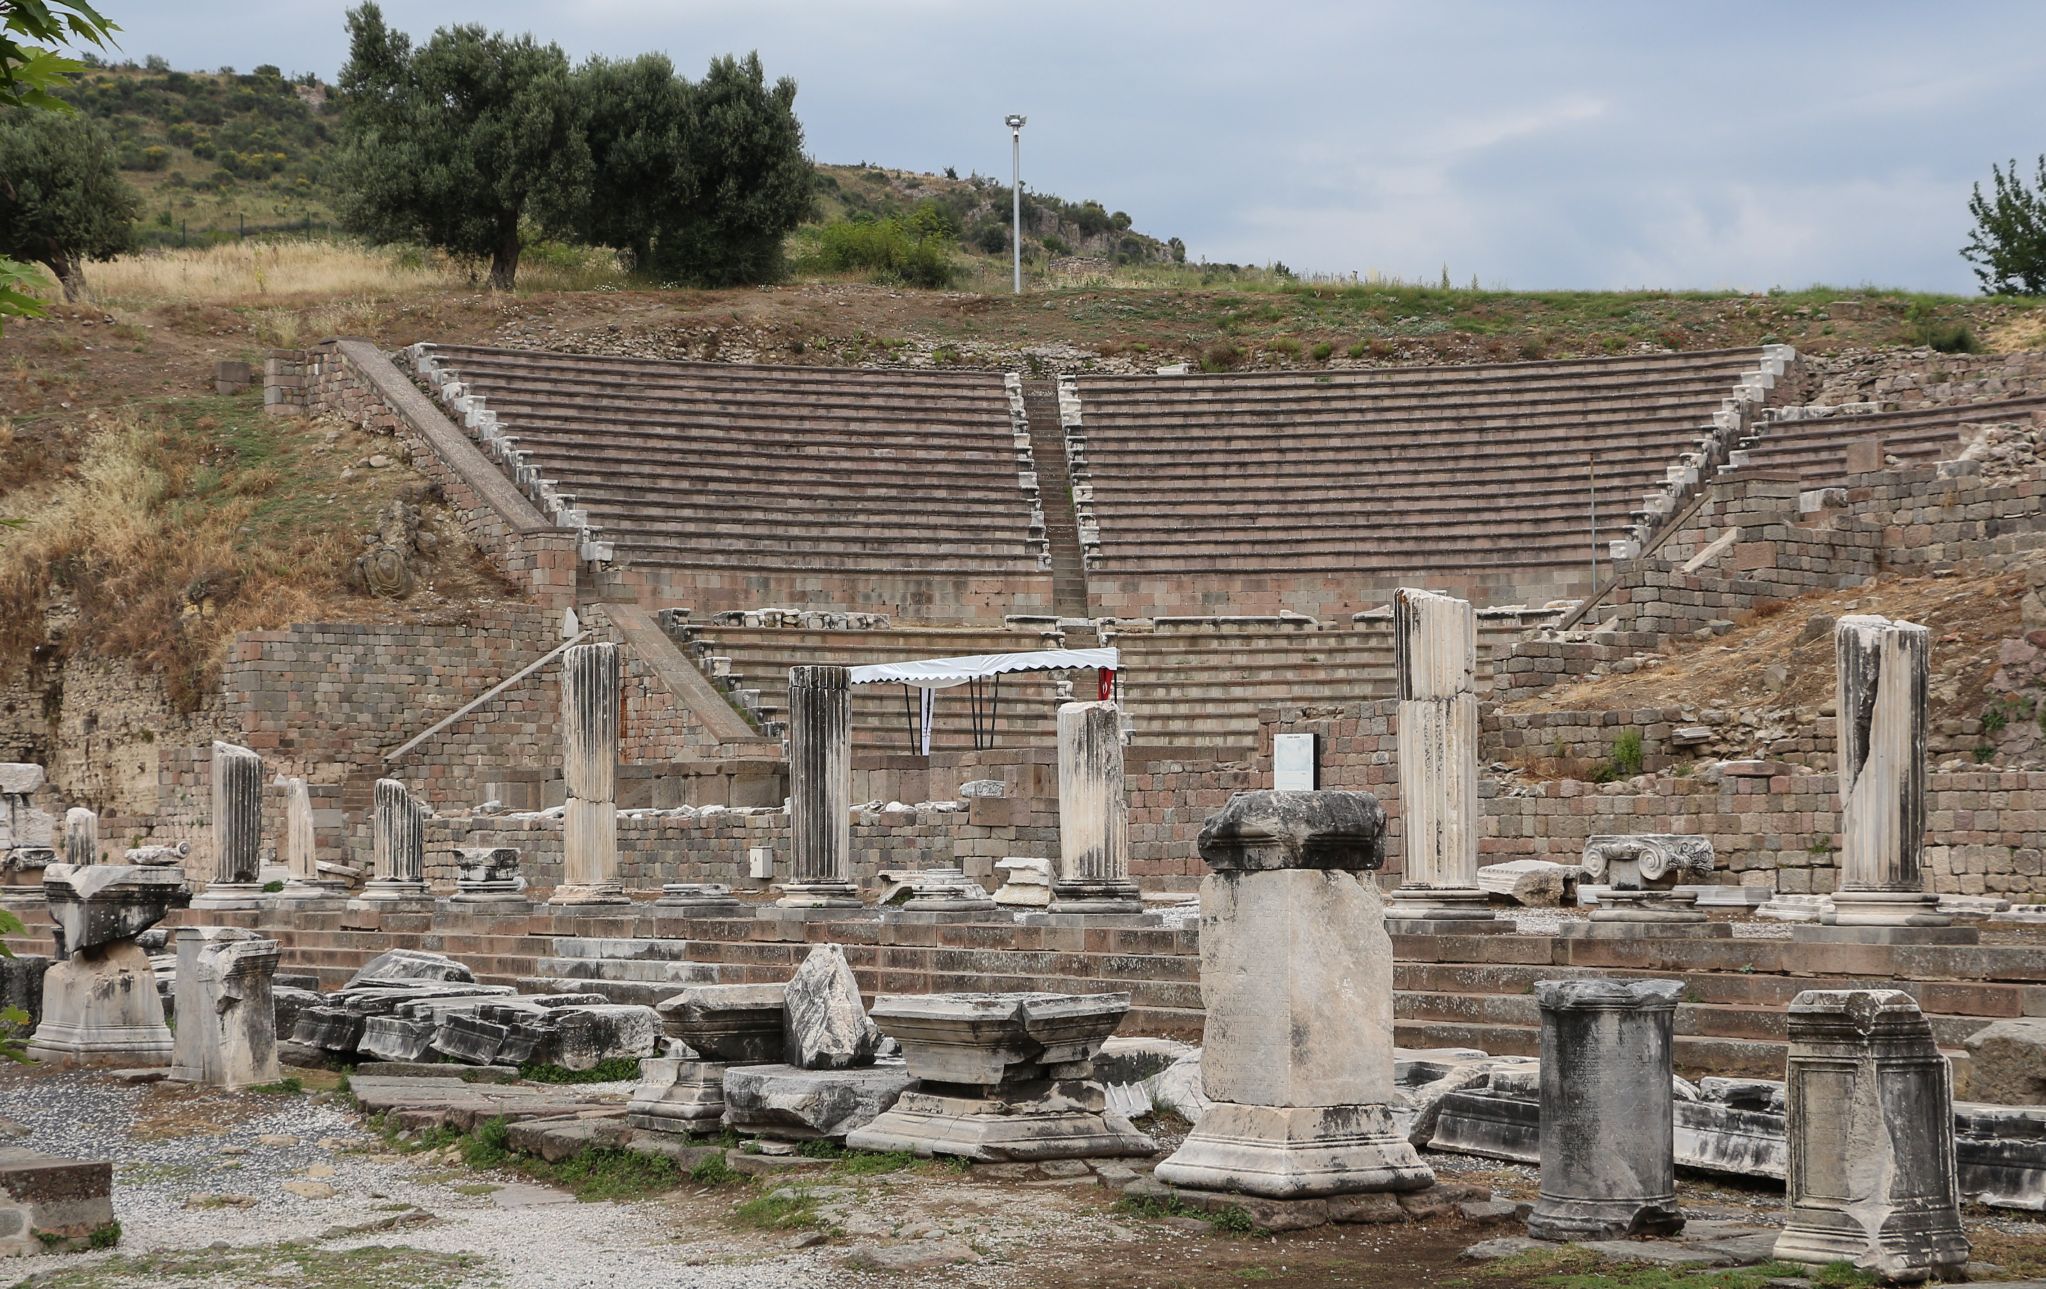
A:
(736, 1024)
(1063, 1120)
(94, 905)
(2007, 1062)
(1533, 882)
(678, 1095)
(826, 1027)
(804, 1105)
(398, 966)
(49, 1204)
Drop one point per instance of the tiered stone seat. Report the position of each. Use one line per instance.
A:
(734, 485)
(1327, 490)
(1202, 685)
(1814, 450)
(757, 659)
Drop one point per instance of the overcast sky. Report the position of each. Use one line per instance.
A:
(1621, 144)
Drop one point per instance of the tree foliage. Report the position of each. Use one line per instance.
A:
(2008, 245)
(29, 72)
(62, 199)
(459, 142)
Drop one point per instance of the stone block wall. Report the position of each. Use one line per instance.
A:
(1907, 378)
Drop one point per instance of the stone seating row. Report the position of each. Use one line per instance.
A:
(1815, 451)
(1570, 371)
(737, 375)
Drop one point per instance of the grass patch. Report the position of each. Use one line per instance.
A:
(778, 1210)
(288, 1086)
(1569, 1267)
(614, 1069)
(1228, 1220)
(712, 1170)
(871, 1163)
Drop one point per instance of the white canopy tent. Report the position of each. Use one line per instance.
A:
(981, 674)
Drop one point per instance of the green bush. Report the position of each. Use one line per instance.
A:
(1322, 351)
(1056, 245)
(890, 250)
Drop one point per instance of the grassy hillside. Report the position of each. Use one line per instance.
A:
(219, 155)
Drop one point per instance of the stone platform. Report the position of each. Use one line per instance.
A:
(1452, 991)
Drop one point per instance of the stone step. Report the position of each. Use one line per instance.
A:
(628, 969)
(610, 948)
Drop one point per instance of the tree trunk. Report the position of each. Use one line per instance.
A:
(71, 275)
(504, 261)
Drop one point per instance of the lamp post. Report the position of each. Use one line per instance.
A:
(1015, 121)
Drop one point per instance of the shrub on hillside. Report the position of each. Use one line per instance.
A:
(890, 250)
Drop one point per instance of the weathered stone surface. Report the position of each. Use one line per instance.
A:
(735, 1024)
(678, 1095)
(487, 875)
(1880, 700)
(1872, 1177)
(299, 849)
(1264, 830)
(102, 904)
(81, 836)
(1641, 877)
(50, 1204)
(1094, 832)
(1025, 1121)
(820, 789)
(801, 1105)
(1608, 1165)
(1026, 882)
(2007, 1062)
(227, 1022)
(826, 1026)
(410, 966)
(704, 899)
(397, 846)
(101, 1007)
(1538, 882)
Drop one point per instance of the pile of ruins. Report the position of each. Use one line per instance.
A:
(692, 840)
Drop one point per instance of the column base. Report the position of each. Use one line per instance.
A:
(230, 895)
(1557, 1218)
(700, 899)
(489, 894)
(1906, 1246)
(1095, 895)
(1296, 1152)
(676, 1095)
(819, 895)
(997, 1129)
(1442, 910)
(590, 893)
(384, 895)
(297, 891)
(1885, 908)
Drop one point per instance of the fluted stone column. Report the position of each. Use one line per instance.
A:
(1879, 692)
(397, 831)
(590, 682)
(301, 858)
(1870, 1105)
(1608, 1148)
(237, 831)
(1296, 979)
(1094, 814)
(81, 836)
(1435, 653)
(820, 790)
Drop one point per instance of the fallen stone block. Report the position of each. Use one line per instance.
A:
(803, 1105)
(50, 1204)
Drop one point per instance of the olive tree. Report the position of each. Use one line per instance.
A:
(62, 198)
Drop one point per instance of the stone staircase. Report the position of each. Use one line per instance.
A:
(1055, 491)
(644, 971)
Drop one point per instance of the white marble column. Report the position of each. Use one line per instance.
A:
(81, 836)
(227, 1016)
(590, 686)
(1435, 653)
(820, 790)
(397, 829)
(301, 857)
(1879, 696)
(237, 830)
(1094, 814)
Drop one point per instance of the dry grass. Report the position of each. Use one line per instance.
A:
(2023, 333)
(250, 273)
(184, 523)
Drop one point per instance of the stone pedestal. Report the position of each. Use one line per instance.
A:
(820, 790)
(1644, 876)
(948, 892)
(1002, 1077)
(1879, 694)
(100, 1005)
(1607, 1117)
(1296, 976)
(488, 875)
(1094, 830)
(678, 1095)
(1871, 1122)
(237, 831)
(227, 1020)
(590, 679)
(731, 1024)
(1435, 665)
(397, 828)
(789, 1104)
